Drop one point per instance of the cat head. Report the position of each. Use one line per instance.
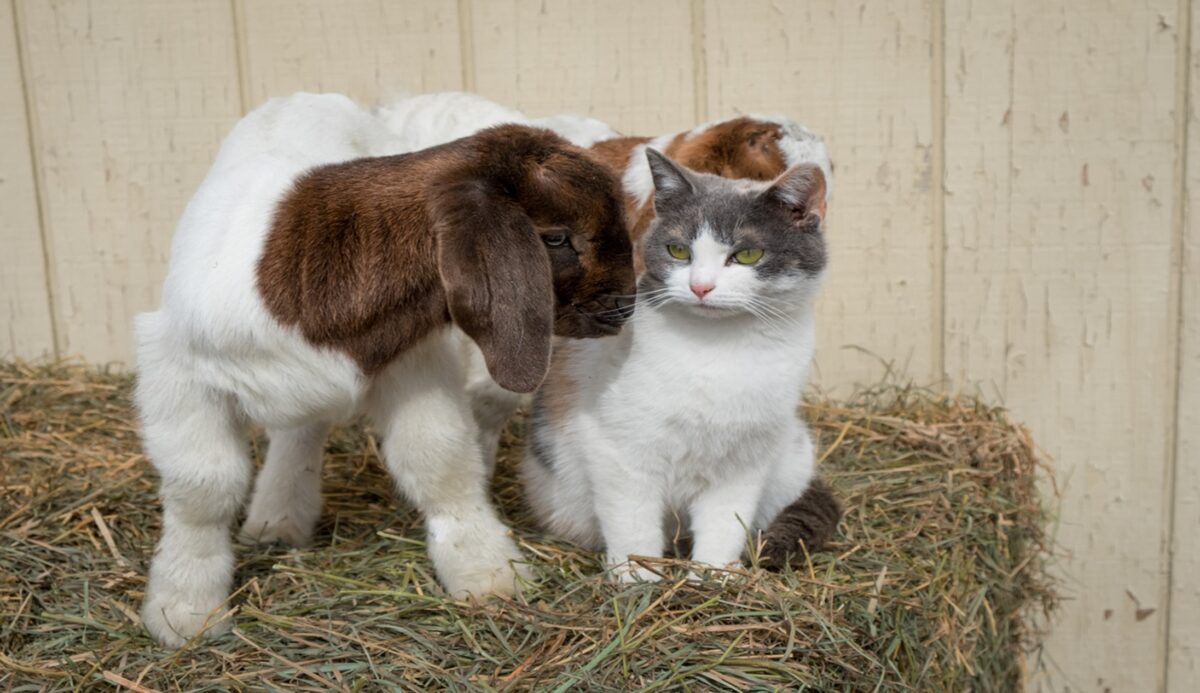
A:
(721, 247)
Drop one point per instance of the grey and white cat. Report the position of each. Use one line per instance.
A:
(691, 411)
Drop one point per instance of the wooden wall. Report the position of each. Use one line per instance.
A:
(1013, 212)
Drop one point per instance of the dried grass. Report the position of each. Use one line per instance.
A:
(940, 559)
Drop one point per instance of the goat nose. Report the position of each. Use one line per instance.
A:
(625, 307)
(701, 290)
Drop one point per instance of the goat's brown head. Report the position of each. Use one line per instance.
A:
(531, 242)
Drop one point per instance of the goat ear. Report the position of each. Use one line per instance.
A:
(498, 284)
(801, 189)
(672, 183)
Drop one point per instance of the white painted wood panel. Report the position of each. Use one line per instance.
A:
(1061, 266)
(25, 323)
(628, 63)
(131, 101)
(860, 74)
(366, 49)
(1183, 648)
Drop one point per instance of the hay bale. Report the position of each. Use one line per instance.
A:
(940, 559)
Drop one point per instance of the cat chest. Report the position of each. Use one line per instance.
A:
(712, 402)
(704, 379)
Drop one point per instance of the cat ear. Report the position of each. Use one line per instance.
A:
(801, 190)
(672, 183)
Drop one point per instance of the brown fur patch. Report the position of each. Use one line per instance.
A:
(811, 520)
(368, 256)
(738, 148)
(329, 264)
(615, 153)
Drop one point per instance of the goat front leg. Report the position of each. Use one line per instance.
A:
(431, 449)
(286, 504)
(491, 404)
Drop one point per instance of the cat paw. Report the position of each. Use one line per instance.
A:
(711, 573)
(628, 572)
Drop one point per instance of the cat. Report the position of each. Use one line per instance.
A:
(691, 411)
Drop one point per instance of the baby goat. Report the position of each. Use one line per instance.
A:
(311, 278)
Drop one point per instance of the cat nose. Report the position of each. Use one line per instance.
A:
(701, 290)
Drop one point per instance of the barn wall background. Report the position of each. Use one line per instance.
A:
(1012, 213)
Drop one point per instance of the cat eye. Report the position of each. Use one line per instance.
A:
(555, 240)
(749, 256)
(679, 252)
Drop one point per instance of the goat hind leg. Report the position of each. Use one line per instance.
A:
(195, 439)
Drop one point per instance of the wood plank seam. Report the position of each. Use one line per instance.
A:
(1008, 186)
(1175, 312)
(937, 40)
(27, 92)
(242, 54)
(466, 44)
(699, 62)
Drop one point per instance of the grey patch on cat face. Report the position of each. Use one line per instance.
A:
(742, 214)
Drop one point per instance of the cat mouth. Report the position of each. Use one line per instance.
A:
(710, 310)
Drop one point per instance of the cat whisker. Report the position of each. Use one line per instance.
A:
(654, 292)
(776, 301)
(777, 314)
(641, 298)
(774, 306)
(773, 317)
(604, 313)
(654, 301)
(651, 296)
(771, 320)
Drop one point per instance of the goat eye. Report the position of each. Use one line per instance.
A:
(555, 240)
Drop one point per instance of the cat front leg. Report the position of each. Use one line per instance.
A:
(722, 514)
(799, 512)
(792, 469)
(630, 505)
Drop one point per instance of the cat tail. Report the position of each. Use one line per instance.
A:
(804, 526)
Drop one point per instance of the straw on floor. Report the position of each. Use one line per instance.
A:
(939, 564)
